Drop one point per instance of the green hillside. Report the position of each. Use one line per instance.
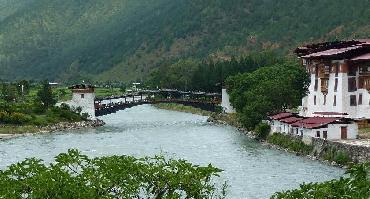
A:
(126, 39)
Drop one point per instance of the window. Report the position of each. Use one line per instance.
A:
(317, 134)
(82, 96)
(325, 134)
(316, 84)
(352, 84)
(336, 69)
(301, 132)
(353, 101)
(314, 100)
(336, 85)
(352, 71)
(324, 99)
(360, 99)
(335, 100)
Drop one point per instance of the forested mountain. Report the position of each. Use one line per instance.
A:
(126, 39)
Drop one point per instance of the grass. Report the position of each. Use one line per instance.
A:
(103, 92)
(338, 156)
(182, 108)
(364, 133)
(289, 143)
(12, 129)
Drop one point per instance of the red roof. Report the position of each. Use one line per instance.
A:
(315, 122)
(329, 113)
(281, 116)
(332, 52)
(291, 120)
(362, 57)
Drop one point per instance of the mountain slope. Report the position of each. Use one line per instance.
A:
(125, 39)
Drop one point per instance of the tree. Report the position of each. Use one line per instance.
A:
(266, 91)
(74, 175)
(45, 96)
(9, 92)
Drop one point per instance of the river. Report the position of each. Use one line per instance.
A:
(252, 170)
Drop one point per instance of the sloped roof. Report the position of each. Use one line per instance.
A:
(281, 116)
(291, 120)
(315, 122)
(338, 49)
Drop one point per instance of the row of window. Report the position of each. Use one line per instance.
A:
(352, 84)
(325, 84)
(324, 134)
(352, 100)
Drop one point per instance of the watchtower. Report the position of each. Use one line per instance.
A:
(83, 96)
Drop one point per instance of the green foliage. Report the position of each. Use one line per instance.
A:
(338, 156)
(357, 185)
(192, 75)
(262, 130)
(74, 175)
(267, 90)
(35, 107)
(76, 40)
(289, 143)
(45, 96)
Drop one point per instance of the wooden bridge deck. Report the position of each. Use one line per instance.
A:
(105, 109)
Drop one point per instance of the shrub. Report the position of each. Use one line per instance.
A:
(39, 121)
(338, 156)
(356, 185)
(15, 118)
(262, 130)
(290, 143)
(73, 175)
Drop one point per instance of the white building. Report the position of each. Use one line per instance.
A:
(329, 128)
(340, 79)
(83, 96)
(225, 104)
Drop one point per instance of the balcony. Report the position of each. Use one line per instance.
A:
(324, 85)
(364, 82)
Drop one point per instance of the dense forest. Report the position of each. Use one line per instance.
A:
(209, 76)
(126, 39)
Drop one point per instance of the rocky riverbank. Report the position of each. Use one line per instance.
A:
(336, 153)
(16, 131)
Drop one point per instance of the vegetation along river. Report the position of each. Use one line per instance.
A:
(251, 169)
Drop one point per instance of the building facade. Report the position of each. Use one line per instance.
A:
(83, 96)
(329, 128)
(340, 79)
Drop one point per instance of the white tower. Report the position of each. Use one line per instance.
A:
(83, 96)
(226, 105)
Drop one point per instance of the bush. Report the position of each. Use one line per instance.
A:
(39, 121)
(290, 143)
(15, 118)
(356, 185)
(262, 130)
(338, 156)
(73, 175)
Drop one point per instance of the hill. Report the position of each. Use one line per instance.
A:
(126, 39)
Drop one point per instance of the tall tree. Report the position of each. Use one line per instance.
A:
(45, 95)
(267, 90)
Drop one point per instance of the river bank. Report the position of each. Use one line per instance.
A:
(340, 153)
(335, 153)
(12, 131)
(182, 108)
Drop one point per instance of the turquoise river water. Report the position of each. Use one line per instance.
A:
(251, 169)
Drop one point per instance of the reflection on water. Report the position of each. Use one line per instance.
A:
(252, 170)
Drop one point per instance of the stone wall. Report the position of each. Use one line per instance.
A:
(356, 152)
